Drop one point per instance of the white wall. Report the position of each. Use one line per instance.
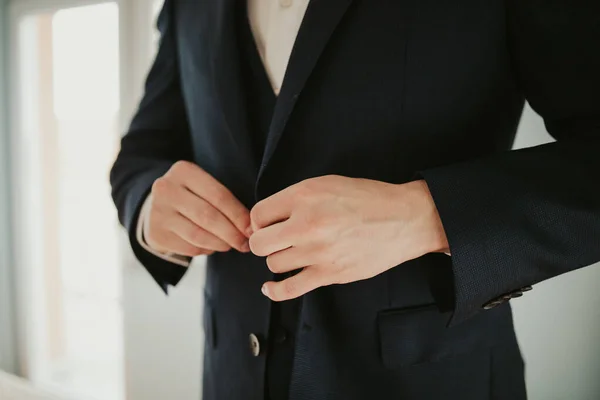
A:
(558, 322)
(163, 335)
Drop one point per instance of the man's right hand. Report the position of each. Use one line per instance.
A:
(191, 214)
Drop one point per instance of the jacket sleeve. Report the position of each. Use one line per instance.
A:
(520, 217)
(158, 137)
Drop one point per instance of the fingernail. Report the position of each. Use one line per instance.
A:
(264, 290)
(249, 231)
(246, 247)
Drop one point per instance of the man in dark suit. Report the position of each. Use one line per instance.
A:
(350, 159)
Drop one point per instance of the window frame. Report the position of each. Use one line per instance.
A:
(8, 333)
(135, 50)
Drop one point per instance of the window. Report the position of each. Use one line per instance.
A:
(84, 304)
(65, 138)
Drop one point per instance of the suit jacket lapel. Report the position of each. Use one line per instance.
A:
(320, 21)
(228, 77)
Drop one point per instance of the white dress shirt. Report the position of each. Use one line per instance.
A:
(275, 25)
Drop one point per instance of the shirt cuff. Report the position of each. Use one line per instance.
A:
(139, 233)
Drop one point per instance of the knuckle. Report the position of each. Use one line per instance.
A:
(160, 187)
(327, 254)
(311, 224)
(290, 288)
(180, 167)
(234, 238)
(321, 226)
(313, 185)
(221, 196)
(294, 230)
(256, 213)
(207, 216)
(194, 252)
(206, 252)
(239, 241)
(221, 247)
(272, 264)
(196, 235)
(241, 217)
(304, 191)
(327, 180)
(256, 246)
(218, 247)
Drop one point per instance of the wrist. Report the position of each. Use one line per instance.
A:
(438, 241)
(425, 218)
(144, 226)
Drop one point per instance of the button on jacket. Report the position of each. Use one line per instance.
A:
(393, 91)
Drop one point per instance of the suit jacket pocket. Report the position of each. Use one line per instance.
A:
(419, 334)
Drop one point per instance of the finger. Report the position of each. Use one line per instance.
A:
(195, 235)
(272, 239)
(298, 285)
(208, 188)
(171, 243)
(271, 210)
(203, 214)
(289, 260)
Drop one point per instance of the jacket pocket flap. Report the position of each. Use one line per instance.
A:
(420, 334)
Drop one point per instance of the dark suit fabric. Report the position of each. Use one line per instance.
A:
(392, 91)
(260, 102)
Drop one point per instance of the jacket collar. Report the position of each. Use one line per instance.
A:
(320, 21)
(227, 76)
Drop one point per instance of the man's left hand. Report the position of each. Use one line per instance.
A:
(341, 230)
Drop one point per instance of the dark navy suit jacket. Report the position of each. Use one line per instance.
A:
(392, 90)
